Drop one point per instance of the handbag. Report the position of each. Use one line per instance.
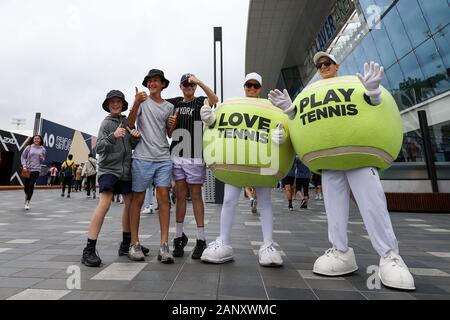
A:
(25, 173)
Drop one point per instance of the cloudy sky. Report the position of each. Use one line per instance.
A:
(60, 58)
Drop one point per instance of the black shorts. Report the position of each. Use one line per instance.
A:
(110, 183)
(303, 183)
(288, 180)
(317, 180)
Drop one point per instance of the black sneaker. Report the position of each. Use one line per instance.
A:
(90, 257)
(304, 205)
(124, 247)
(291, 208)
(62, 194)
(178, 245)
(198, 250)
(68, 196)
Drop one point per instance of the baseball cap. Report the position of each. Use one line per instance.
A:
(321, 54)
(253, 76)
(185, 78)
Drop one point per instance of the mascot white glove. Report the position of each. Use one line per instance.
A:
(283, 101)
(278, 135)
(207, 114)
(373, 74)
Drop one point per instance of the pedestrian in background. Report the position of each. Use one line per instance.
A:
(32, 158)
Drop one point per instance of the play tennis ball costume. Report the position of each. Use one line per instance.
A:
(335, 128)
(238, 147)
(347, 128)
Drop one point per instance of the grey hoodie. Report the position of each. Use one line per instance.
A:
(115, 153)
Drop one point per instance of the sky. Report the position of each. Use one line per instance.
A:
(60, 58)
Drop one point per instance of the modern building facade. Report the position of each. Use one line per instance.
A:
(410, 38)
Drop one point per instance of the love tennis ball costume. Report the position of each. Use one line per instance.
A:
(238, 148)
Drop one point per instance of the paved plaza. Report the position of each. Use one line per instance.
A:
(38, 246)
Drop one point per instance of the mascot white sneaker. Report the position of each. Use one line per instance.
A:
(394, 273)
(336, 263)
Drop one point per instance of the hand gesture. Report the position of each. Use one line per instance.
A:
(134, 133)
(193, 79)
(120, 132)
(140, 96)
(373, 74)
(207, 114)
(280, 99)
(172, 120)
(278, 134)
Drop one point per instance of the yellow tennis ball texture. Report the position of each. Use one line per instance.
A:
(239, 149)
(336, 128)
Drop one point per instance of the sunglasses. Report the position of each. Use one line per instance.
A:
(188, 84)
(326, 64)
(254, 85)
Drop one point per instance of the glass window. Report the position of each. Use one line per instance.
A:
(367, 7)
(396, 81)
(360, 58)
(351, 65)
(414, 22)
(442, 39)
(414, 81)
(433, 66)
(412, 150)
(436, 13)
(370, 49)
(394, 26)
(343, 69)
(384, 47)
(440, 135)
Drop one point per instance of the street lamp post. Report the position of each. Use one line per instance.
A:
(218, 186)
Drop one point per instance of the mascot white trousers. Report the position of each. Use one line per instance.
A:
(369, 195)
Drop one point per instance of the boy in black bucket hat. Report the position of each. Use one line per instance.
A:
(155, 119)
(114, 145)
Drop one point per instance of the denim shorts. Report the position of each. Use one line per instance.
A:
(147, 172)
(110, 183)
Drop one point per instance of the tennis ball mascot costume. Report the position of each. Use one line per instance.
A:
(347, 128)
(245, 143)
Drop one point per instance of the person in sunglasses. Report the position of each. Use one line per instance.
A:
(220, 250)
(368, 192)
(188, 169)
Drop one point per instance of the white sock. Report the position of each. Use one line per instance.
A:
(179, 231)
(201, 233)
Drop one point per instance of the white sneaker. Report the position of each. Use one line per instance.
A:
(27, 205)
(217, 252)
(335, 263)
(320, 196)
(394, 273)
(317, 196)
(147, 210)
(269, 256)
